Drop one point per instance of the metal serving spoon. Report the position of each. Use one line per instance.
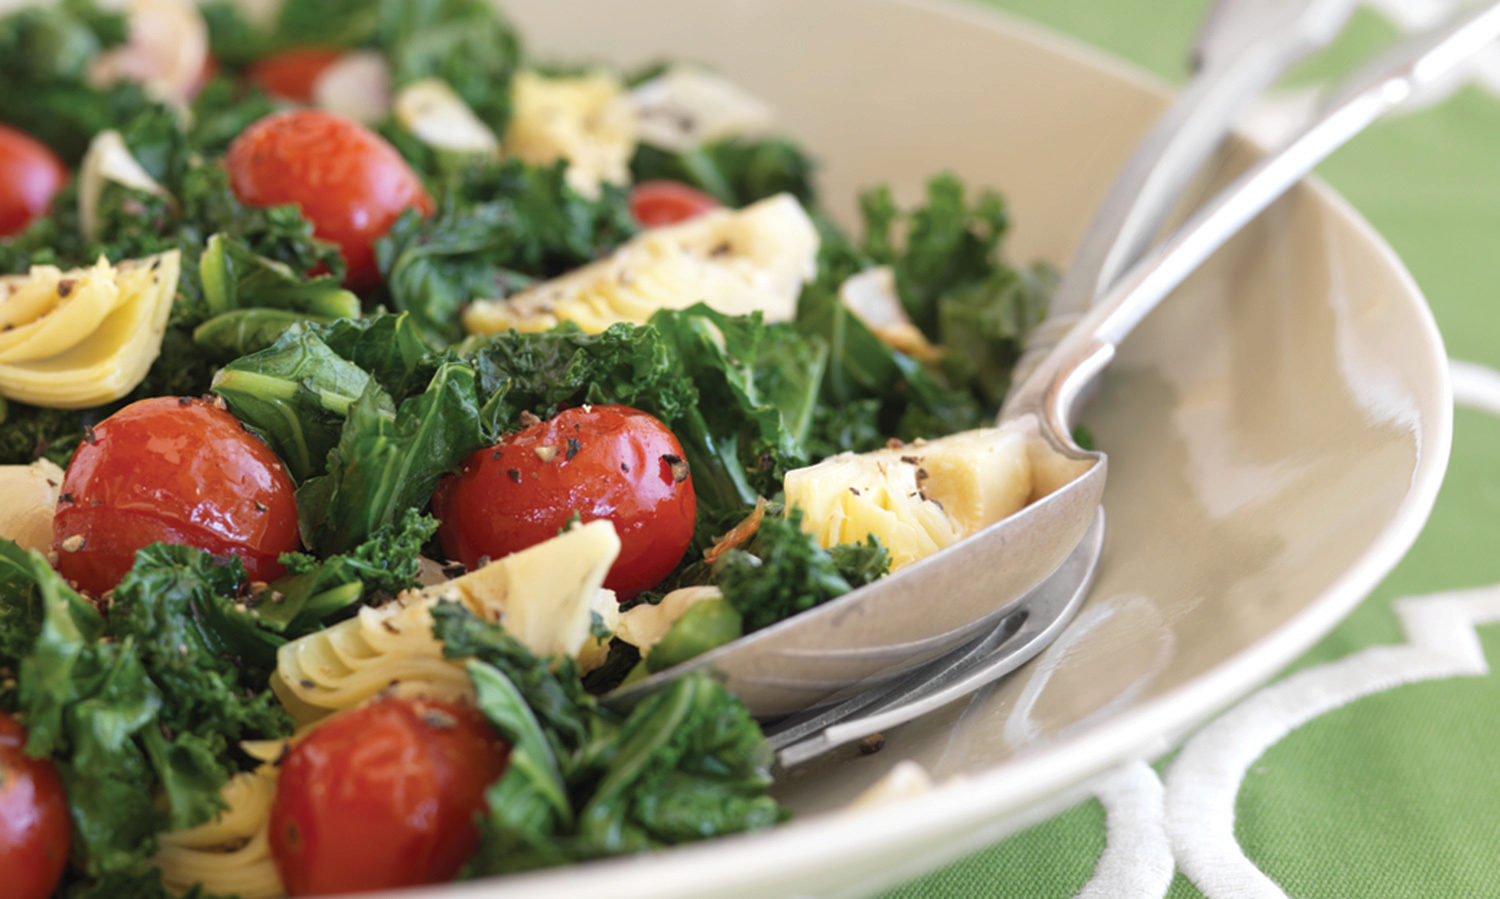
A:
(1386, 84)
(844, 647)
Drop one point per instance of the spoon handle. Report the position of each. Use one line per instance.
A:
(1053, 392)
(1243, 46)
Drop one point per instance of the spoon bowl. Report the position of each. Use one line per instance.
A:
(881, 630)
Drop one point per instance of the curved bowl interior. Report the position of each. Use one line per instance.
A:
(1276, 432)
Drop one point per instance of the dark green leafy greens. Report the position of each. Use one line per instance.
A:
(138, 708)
(315, 591)
(783, 571)
(736, 171)
(582, 782)
(500, 225)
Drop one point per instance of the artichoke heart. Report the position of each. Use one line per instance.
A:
(583, 119)
(918, 498)
(543, 596)
(737, 261)
(70, 340)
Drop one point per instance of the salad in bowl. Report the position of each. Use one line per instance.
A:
(375, 395)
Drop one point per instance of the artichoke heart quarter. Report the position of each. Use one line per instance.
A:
(70, 340)
(584, 119)
(918, 498)
(737, 261)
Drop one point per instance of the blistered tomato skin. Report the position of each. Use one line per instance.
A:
(173, 470)
(345, 178)
(383, 796)
(34, 830)
(30, 175)
(609, 462)
(291, 74)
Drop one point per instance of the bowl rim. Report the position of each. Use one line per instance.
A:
(1026, 782)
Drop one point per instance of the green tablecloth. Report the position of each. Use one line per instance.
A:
(1372, 767)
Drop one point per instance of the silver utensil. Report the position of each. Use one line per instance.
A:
(1382, 86)
(1242, 48)
(867, 637)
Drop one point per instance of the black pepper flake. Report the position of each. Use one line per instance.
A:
(390, 628)
(854, 490)
(911, 460)
(872, 744)
(514, 474)
(184, 401)
(307, 684)
(678, 465)
(437, 719)
(497, 454)
(66, 497)
(922, 474)
(573, 447)
(65, 287)
(625, 468)
(260, 506)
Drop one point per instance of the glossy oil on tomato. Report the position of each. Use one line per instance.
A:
(657, 203)
(345, 178)
(175, 471)
(34, 829)
(30, 175)
(609, 462)
(383, 796)
(291, 74)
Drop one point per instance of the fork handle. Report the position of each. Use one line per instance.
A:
(1243, 46)
(1053, 392)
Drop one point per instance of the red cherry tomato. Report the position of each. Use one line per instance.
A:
(30, 175)
(595, 462)
(34, 831)
(348, 181)
(656, 203)
(383, 796)
(175, 471)
(291, 74)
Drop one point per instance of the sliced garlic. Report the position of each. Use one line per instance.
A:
(686, 106)
(437, 116)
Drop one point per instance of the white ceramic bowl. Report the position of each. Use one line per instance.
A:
(1277, 431)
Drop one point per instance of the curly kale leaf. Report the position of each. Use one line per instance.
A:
(783, 571)
(758, 388)
(500, 225)
(545, 373)
(205, 649)
(138, 708)
(584, 782)
(466, 43)
(28, 433)
(314, 590)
